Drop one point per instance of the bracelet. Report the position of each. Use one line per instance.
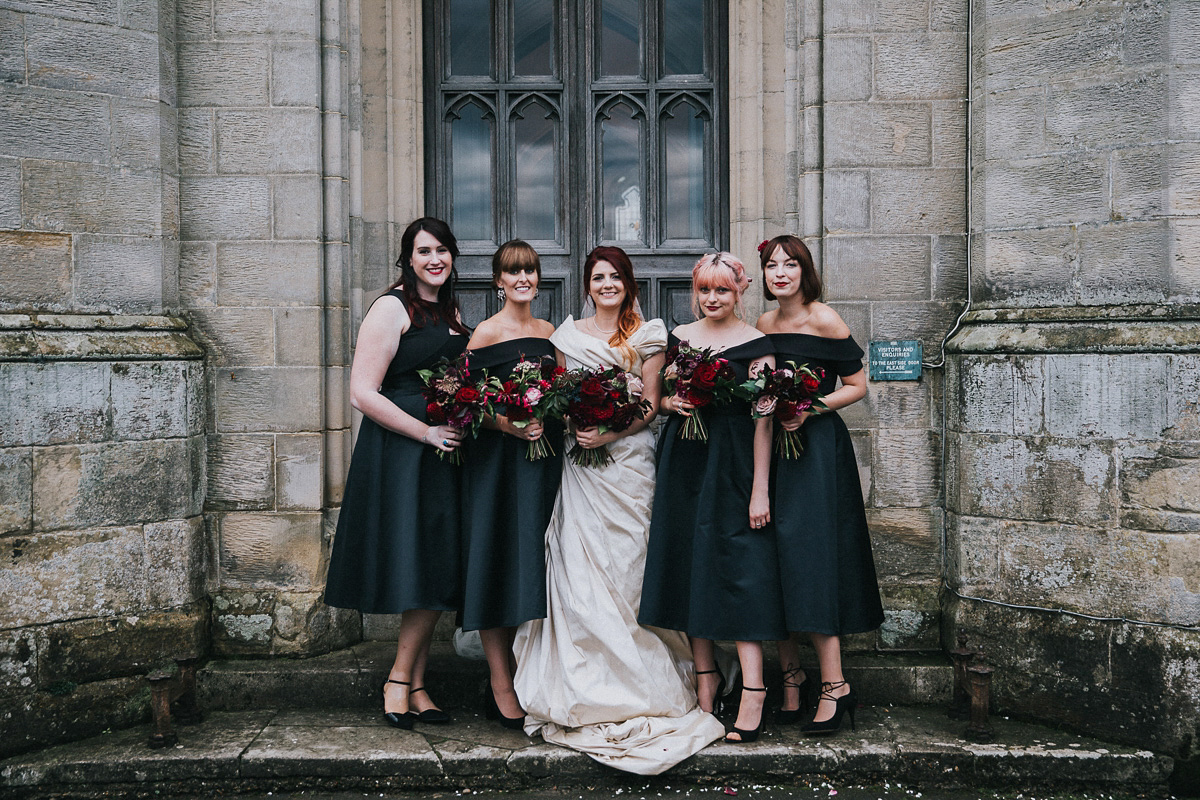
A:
(425, 434)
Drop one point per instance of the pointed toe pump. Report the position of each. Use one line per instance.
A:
(844, 706)
(402, 720)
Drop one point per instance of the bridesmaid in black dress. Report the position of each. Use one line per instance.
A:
(825, 560)
(507, 499)
(710, 564)
(397, 549)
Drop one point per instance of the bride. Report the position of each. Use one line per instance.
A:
(588, 676)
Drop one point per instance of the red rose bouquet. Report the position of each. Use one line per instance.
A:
(535, 390)
(783, 393)
(607, 399)
(457, 398)
(701, 378)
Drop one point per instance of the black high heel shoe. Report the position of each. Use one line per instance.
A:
(751, 735)
(717, 701)
(790, 716)
(846, 704)
(491, 710)
(434, 716)
(403, 721)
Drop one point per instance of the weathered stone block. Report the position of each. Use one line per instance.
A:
(241, 473)
(997, 394)
(280, 399)
(337, 336)
(198, 274)
(1013, 124)
(10, 197)
(891, 404)
(920, 66)
(35, 269)
(35, 123)
(53, 403)
(1161, 493)
(295, 74)
(237, 337)
(948, 15)
(52, 577)
(62, 195)
(1125, 262)
(1183, 31)
(269, 274)
(278, 17)
(338, 445)
(144, 15)
(12, 47)
(223, 74)
(224, 208)
(1091, 116)
(150, 400)
(194, 21)
(175, 563)
(1185, 259)
(907, 544)
(1110, 396)
(119, 274)
(911, 618)
(1183, 397)
(144, 133)
(1183, 102)
(950, 135)
(269, 140)
(296, 201)
(877, 268)
(864, 454)
(1035, 479)
(298, 336)
(878, 134)
(298, 467)
(1046, 191)
(197, 141)
(84, 57)
(18, 662)
(949, 259)
(918, 201)
(912, 320)
(1037, 266)
(1026, 51)
(847, 201)
(877, 15)
(270, 551)
(99, 649)
(919, 483)
(847, 68)
(114, 483)
(16, 497)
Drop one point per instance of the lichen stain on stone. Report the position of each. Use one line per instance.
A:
(900, 625)
(252, 628)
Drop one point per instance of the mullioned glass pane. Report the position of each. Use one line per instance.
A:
(536, 143)
(471, 173)
(686, 198)
(470, 37)
(683, 37)
(620, 37)
(621, 147)
(533, 37)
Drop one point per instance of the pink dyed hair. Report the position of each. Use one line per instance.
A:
(716, 270)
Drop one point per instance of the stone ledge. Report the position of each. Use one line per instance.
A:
(95, 337)
(1008, 332)
(271, 751)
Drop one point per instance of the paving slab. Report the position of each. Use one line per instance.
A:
(331, 749)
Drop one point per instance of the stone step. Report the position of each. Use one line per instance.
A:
(267, 750)
(352, 678)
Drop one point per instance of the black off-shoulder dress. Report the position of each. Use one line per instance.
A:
(398, 541)
(506, 504)
(825, 561)
(709, 573)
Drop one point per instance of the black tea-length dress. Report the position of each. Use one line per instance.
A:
(506, 505)
(825, 560)
(708, 573)
(398, 543)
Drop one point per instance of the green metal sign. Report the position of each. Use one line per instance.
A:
(898, 360)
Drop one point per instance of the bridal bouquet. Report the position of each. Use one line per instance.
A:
(701, 378)
(457, 398)
(608, 399)
(783, 393)
(535, 390)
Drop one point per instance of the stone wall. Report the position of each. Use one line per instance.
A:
(261, 159)
(1074, 388)
(892, 248)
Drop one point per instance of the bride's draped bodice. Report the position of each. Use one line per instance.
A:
(582, 350)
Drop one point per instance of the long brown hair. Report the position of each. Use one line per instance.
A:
(628, 320)
(810, 281)
(422, 311)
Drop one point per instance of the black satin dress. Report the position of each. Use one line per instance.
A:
(398, 541)
(825, 561)
(506, 504)
(708, 573)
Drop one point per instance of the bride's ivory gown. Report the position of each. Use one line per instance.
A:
(588, 676)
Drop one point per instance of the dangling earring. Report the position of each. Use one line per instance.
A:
(536, 292)
(500, 295)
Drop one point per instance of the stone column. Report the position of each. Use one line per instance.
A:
(101, 390)
(1074, 386)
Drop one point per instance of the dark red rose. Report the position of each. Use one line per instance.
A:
(467, 395)
(785, 409)
(509, 387)
(603, 413)
(435, 414)
(810, 384)
(705, 376)
(558, 371)
(592, 388)
(697, 396)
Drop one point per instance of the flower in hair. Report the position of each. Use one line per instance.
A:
(763, 244)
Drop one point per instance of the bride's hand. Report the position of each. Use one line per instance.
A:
(591, 438)
(674, 404)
